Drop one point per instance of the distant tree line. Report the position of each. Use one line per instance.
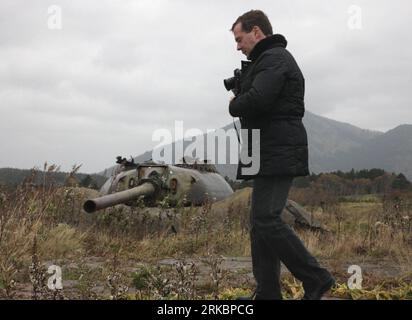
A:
(10, 177)
(341, 183)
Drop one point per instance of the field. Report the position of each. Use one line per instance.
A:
(189, 253)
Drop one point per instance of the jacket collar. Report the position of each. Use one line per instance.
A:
(276, 40)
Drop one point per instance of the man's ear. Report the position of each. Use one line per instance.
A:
(257, 32)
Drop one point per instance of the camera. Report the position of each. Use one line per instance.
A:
(233, 83)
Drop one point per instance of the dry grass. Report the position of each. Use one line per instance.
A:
(360, 229)
(368, 228)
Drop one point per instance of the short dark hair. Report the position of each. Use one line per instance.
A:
(254, 18)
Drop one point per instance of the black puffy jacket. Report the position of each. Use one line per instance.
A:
(272, 99)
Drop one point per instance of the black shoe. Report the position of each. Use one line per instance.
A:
(318, 292)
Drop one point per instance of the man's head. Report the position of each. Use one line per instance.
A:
(249, 29)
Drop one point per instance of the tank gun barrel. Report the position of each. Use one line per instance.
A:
(92, 205)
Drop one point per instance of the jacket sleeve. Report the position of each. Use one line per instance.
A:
(269, 78)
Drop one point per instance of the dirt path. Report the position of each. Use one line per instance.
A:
(237, 272)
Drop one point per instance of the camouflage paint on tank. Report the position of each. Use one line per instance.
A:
(181, 184)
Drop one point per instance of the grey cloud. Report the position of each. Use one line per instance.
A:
(119, 70)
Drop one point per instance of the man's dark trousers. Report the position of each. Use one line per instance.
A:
(273, 241)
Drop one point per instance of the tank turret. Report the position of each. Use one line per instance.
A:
(186, 184)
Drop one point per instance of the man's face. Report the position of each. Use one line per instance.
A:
(245, 40)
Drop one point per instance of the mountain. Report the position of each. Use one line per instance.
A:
(391, 151)
(335, 145)
(328, 139)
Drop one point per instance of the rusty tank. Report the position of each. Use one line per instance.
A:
(187, 184)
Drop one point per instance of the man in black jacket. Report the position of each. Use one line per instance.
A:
(271, 100)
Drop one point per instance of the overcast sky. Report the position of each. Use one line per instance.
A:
(118, 70)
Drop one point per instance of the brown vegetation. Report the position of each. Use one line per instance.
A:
(114, 254)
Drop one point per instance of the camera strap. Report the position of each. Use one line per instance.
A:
(245, 64)
(237, 133)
